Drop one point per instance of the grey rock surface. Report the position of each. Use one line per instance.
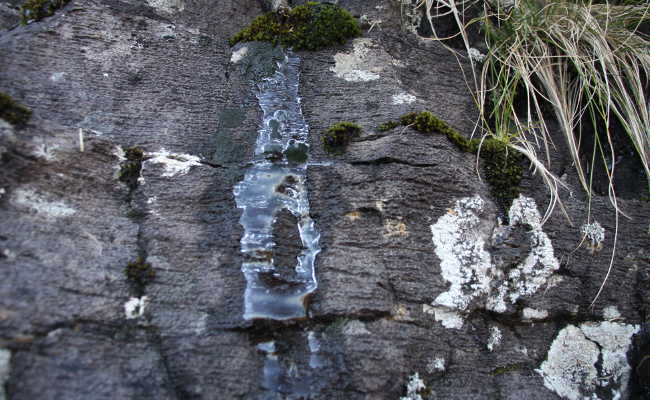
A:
(161, 76)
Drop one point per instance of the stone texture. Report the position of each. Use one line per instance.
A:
(160, 75)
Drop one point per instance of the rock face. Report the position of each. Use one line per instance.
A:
(415, 273)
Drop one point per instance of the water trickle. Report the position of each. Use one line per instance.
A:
(276, 180)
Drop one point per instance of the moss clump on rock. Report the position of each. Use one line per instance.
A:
(131, 167)
(311, 26)
(139, 272)
(36, 10)
(502, 165)
(12, 112)
(338, 136)
(386, 126)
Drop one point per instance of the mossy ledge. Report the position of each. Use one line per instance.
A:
(502, 165)
(131, 167)
(12, 112)
(337, 137)
(311, 26)
(36, 10)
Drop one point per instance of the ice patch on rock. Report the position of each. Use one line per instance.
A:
(571, 368)
(134, 308)
(238, 55)
(173, 164)
(40, 203)
(5, 368)
(403, 98)
(360, 65)
(495, 338)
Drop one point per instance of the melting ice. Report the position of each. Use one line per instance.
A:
(276, 181)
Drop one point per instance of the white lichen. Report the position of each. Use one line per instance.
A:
(572, 368)
(5, 368)
(450, 319)
(238, 55)
(360, 65)
(436, 364)
(495, 338)
(40, 203)
(611, 313)
(167, 6)
(403, 98)
(355, 328)
(414, 386)
(529, 314)
(595, 234)
(459, 237)
(476, 55)
(540, 264)
(134, 308)
(57, 76)
(173, 164)
(460, 246)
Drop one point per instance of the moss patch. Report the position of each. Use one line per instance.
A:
(502, 165)
(131, 167)
(297, 153)
(338, 136)
(311, 26)
(12, 112)
(36, 10)
(140, 273)
(506, 369)
(386, 126)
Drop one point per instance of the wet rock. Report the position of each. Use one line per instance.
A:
(288, 244)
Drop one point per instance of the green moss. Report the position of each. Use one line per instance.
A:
(387, 126)
(36, 10)
(339, 135)
(133, 153)
(131, 167)
(139, 272)
(506, 369)
(502, 165)
(12, 112)
(311, 26)
(503, 170)
(297, 153)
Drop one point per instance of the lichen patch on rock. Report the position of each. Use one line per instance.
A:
(363, 63)
(403, 98)
(459, 238)
(495, 338)
(460, 246)
(134, 307)
(40, 203)
(167, 6)
(173, 164)
(572, 368)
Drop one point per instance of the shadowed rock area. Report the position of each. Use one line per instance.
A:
(415, 272)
